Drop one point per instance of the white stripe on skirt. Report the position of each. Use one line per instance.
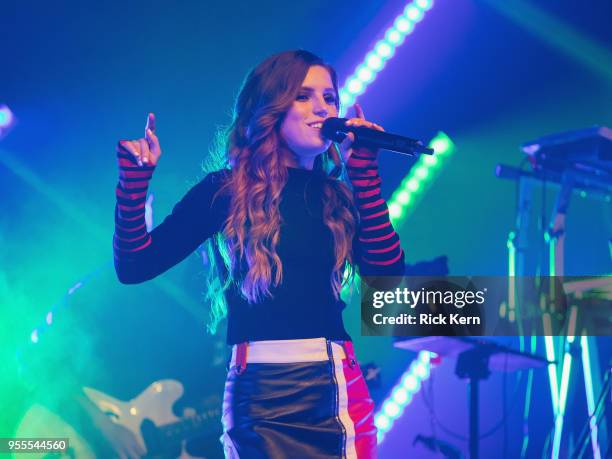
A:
(343, 413)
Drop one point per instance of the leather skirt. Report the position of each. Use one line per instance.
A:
(297, 399)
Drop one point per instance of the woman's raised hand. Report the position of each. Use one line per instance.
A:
(146, 151)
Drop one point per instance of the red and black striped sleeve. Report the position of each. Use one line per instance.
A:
(377, 245)
(140, 255)
(131, 234)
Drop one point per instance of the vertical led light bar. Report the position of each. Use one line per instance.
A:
(549, 345)
(375, 60)
(590, 395)
(564, 386)
(511, 244)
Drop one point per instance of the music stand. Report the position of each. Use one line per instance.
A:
(476, 357)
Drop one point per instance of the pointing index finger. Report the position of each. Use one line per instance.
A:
(150, 122)
(359, 111)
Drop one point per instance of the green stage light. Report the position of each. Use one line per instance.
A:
(403, 197)
(441, 145)
(423, 172)
(413, 184)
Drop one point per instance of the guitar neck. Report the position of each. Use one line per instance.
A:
(200, 424)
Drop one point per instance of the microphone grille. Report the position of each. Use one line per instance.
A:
(334, 129)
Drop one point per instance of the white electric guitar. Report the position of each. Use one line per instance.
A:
(149, 416)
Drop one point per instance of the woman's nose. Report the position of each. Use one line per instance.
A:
(320, 108)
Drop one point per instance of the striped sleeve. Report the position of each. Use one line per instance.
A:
(379, 251)
(131, 192)
(140, 255)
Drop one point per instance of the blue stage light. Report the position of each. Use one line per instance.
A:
(424, 4)
(374, 62)
(365, 74)
(413, 13)
(7, 120)
(383, 50)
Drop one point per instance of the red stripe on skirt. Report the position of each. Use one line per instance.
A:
(360, 406)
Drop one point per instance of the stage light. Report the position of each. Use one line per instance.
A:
(34, 336)
(374, 62)
(391, 409)
(382, 422)
(383, 50)
(422, 371)
(345, 98)
(355, 86)
(413, 13)
(424, 4)
(365, 74)
(395, 210)
(549, 345)
(402, 393)
(410, 382)
(590, 395)
(412, 185)
(564, 386)
(7, 120)
(6, 116)
(403, 25)
(394, 36)
(441, 145)
(430, 160)
(423, 172)
(403, 197)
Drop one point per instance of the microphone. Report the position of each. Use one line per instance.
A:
(335, 129)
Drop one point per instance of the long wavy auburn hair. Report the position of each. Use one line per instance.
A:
(251, 146)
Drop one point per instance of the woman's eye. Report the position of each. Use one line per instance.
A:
(301, 97)
(330, 99)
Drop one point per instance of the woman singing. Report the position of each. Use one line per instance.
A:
(287, 231)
